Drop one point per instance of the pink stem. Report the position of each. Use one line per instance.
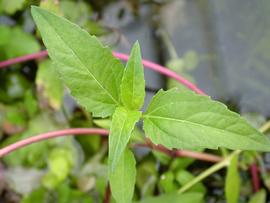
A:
(21, 59)
(72, 131)
(148, 64)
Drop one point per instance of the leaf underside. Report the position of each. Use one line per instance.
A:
(183, 119)
(88, 69)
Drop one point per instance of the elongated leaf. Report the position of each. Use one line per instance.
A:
(183, 119)
(133, 84)
(122, 180)
(232, 185)
(175, 197)
(88, 69)
(123, 123)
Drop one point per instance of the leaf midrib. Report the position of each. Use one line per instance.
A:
(197, 124)
(59, 36)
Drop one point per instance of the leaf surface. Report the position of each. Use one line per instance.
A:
(123, 123)
(183, 119)
(88, 69)
(232, 184)
(122, 180)
(133, 84)
(175, 197)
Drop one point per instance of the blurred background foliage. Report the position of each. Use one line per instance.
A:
(223, 47)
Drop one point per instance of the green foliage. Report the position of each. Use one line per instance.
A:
(122, 180)
(11, 6)
(60, 162)
(49, 85)
(123, 123)
(175, 119)
(15, 42)
(174, 197)
(87, 68)
(232, 185)
(183, 119)
(183, 177)
(258, 197)
(133, 84)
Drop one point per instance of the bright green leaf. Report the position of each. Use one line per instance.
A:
(49, 85)
(258, 197)
(88, 69)
(183, 119)
(232, 184)
(133, 84)
(175, 197)
(122, 180)
(123, 123)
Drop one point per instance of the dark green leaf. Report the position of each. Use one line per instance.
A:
(183, 119)
(88, 69)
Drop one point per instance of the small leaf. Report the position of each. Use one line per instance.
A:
(175, 197)
(258, 197)
(49, 84)
(88, 69)
(232, 184)
(122, 180)
(123, 123)
(133, 84)
(183, 119)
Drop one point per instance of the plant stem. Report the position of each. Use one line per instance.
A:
(209, 171)
(58, 133)
(148, 64)
(265, 127)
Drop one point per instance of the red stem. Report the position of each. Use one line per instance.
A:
(255, 177)
(107, 195)
(148, 64)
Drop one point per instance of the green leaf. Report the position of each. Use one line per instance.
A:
(133, 84)
(123, 123)
(183, 119)
(122, 180)
(232, 184)
(87, 68)
(49, 84)
(175, 197)
(258, 197)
